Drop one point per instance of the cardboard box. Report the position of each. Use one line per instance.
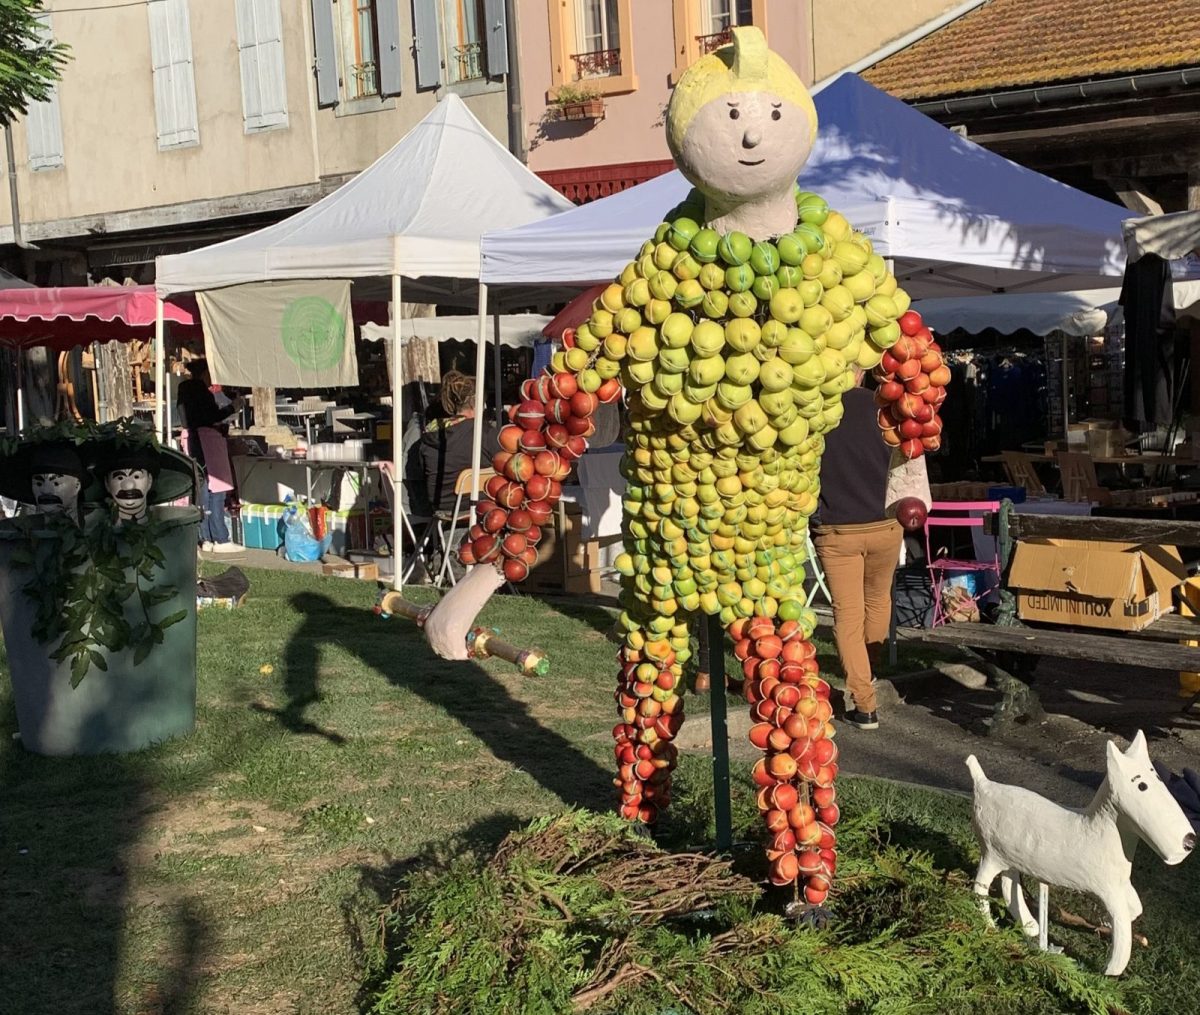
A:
(1116, 586)
(583, 568)
(364, 572)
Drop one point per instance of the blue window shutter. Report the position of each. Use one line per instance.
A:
(495, 38)
(43, 121)
(260, 53)
(387, 21)
(174, 82)
(325, 49)
(425, 42)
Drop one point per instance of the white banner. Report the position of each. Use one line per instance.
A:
(280, 334)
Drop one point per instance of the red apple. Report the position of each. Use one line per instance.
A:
(908, 369)
(916, 384)
(910, 322)
(540, 511)
(583, 403)
(558, 410)
(580, 426)
(909, 429)
(564, 384)
(486, 548)
(556, 435)
(543, 389)
(519, 468)
(500, 460)
(889, 391)
(466, 553)
(510, 437)
(494, 486)
(511, 496)
(609, 391)
(545, 464)
(533, 441)
(494, 520)
(516, 570)
(519, 520)
(913, 449)
(531, 415)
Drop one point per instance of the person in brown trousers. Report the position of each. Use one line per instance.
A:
(858, 546)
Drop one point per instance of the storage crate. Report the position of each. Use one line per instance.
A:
(348, 530)
(262, 526)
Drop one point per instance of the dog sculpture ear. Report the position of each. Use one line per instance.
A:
(1137, 747)
(1116, 759)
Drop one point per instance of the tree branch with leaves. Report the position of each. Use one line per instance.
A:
(31, 62)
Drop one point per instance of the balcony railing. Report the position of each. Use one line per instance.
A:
(715, 41)
(364, 79)
(599, 64)
(469, 61)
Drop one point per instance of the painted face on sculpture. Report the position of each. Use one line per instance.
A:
(54, 492)
(129, 489)
(746, 145)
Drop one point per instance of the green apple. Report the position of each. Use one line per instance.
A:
(657, 311)
(707, 338)
(712, 277)
(881, 310)
(739, 278)
(682, 410)
(810, 291)
(662, 285)
(812, 208)
(861, 285)
(743, 304)
(607, 367)
(636, 293)
(775, 375)
(885, 337)
(600, 324)
(735, 248)
(589, 379)
(637, 372)
(831, 273)
(742, 334)
(683, 229)
(811, 236)
(676, 330)
(851, 258)
(742, 368)
(788, 276)
(902, 301)
(689, 293)
(642, 345)
(706, 370)
(627, 320)
(732, 396)
(787, 306)
(816, 320)
(704, 245)
(806, 375)
(791, 249)
(773, 333)
(674, 359)
(664, 256)
(699, 393)
(685, 266)
(765, 286)
(776, 402)
(715, 304)
(764, 258)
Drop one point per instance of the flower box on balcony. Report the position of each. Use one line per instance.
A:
(584, 109)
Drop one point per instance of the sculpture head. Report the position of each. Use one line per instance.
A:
(128, 476)
(1145, 802)
(741, 124)
(56, 475)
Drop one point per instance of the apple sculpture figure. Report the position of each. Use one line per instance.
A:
(733, 334)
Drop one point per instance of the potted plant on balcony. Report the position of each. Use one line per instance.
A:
(579, 102)
(98, 588)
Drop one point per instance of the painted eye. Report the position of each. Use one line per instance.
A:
(1143, 787)
(776, 115)
(734, 114)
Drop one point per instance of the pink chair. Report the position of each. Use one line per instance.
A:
(956, 514)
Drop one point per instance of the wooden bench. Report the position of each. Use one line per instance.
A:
(1010, 649)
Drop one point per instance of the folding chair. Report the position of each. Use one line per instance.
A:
(957, 515)
(818, 575)
(1078, 474)
(462, 488)
(1018, 466)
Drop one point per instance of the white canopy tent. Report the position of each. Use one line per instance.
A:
(517, 331)
(416, 214)
(1174, 237)
(955, 218)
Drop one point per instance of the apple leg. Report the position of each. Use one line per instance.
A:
(448, 625)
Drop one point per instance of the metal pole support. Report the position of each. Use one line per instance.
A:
(722, 807)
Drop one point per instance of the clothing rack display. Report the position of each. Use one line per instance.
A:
(999, 403)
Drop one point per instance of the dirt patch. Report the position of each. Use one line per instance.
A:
(224, 827)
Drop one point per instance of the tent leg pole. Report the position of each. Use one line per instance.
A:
(480, 370)
(20, 391)
(497, 369)
(159, 361)
(397, 443)
(1066, 384)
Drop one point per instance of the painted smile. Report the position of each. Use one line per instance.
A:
(747, 162)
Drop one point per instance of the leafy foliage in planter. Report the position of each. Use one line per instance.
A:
(578, 913)
(83, 577)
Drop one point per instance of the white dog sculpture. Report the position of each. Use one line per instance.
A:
(1090, 850)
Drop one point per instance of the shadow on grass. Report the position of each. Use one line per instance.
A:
(66, 828)
(466, 692)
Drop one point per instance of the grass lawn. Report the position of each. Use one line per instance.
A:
(242, 869)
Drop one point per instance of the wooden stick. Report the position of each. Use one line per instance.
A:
(1069, 919)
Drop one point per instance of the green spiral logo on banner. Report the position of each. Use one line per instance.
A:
(314, 333)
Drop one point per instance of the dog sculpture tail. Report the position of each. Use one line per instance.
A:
(977, 776)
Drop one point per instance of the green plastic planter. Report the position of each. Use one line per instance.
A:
(127, 707)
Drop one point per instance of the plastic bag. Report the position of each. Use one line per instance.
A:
(299, 544)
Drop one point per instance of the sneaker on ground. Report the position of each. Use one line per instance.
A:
(227, 548)
(863, 720)
(206, 546)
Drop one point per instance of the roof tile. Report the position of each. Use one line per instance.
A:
(1018, 43)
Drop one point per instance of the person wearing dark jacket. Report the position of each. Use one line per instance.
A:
(205, 422)
(447, 444)
(858, 546)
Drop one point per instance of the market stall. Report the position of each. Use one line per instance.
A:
(62, 318)
(412, 220)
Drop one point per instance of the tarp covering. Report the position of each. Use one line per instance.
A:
(516, 330)
(957, 219)
(281, 334)
(417, 211)
(65, 317)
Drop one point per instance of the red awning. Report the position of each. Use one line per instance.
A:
(575, 312)
(63, 318)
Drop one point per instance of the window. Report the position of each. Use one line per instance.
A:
(720, 17)
(260, 52)
(360, 49)
(462, 31)
(592, 40)
(704, 25)
(43, 121)
(174, 82)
